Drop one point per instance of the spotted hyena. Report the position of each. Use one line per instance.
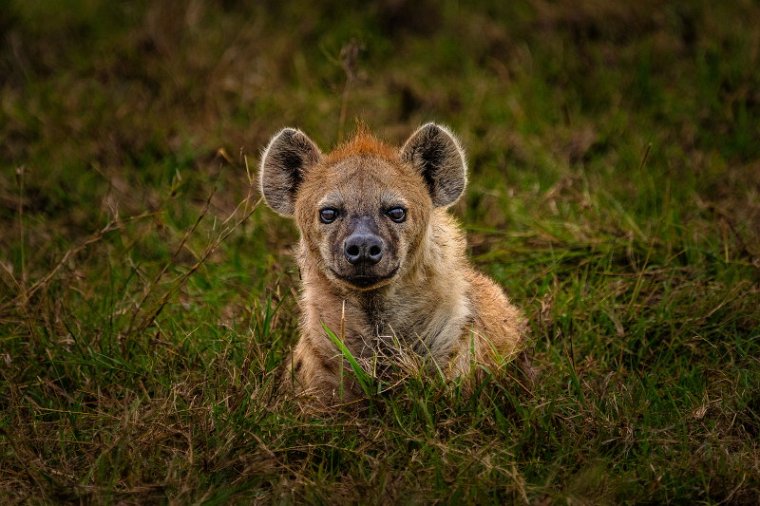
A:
(382, 262)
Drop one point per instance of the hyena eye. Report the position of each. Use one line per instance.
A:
(328, 215)
(397, 214)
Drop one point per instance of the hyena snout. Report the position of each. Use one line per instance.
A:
(363, 247)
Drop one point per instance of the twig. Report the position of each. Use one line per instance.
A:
(166, 266)
(349, 57)
(97, 236)
(646, 156)
(20, 181)
(180, 281)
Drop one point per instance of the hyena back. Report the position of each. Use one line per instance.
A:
(382, 261)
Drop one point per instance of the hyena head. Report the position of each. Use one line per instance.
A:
(364, 209)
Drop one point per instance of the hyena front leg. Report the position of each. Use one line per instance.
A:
(310, 372)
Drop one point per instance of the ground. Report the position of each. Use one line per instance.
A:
(147, 297)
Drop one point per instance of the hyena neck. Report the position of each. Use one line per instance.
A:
(435, 292)
(374, 306)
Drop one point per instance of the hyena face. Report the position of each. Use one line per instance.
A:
(363, 209)
(363, 215)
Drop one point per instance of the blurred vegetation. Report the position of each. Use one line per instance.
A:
(146, 300)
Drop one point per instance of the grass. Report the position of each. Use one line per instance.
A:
(147, 298)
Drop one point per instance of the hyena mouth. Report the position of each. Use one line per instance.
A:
(364, 281)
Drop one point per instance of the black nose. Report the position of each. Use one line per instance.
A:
(363, 247)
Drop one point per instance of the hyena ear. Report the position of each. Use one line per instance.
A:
(438, 157)
(285, 161)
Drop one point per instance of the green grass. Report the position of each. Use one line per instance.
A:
(147, 299)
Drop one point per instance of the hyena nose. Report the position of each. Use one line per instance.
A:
(363, 248)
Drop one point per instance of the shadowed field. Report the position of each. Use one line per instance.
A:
(147, 298)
